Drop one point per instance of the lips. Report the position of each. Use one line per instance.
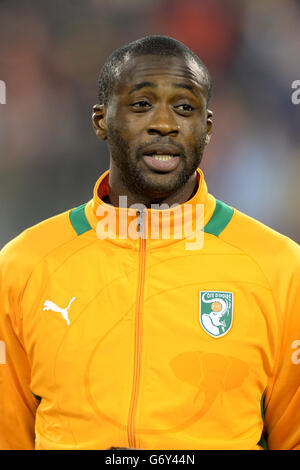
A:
(161, 149)
(161, 158)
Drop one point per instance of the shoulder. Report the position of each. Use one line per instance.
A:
(277, 255)
(19, 257)
(254, 236)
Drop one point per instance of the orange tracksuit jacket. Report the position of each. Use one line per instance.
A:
(148, 342)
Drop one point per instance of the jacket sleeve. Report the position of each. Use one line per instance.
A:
(17, 404)
(282, 413)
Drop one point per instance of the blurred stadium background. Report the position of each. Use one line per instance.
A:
(50, 57)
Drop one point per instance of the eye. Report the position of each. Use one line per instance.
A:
(185, 108)
(141, 105)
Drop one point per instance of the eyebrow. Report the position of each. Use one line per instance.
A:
(140, 85)
(187, 87)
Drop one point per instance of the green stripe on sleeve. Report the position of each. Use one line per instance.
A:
(263, 442)
(220, 219)
(79, 221)
(36, 397)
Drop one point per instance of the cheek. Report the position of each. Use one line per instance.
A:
(116, 121)
(195, 139)
(128, 126)
(116, 126)
(195, 129)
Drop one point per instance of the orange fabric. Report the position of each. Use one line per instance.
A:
(177, 222)
(108, 333)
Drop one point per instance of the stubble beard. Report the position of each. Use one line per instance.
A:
(132, 174)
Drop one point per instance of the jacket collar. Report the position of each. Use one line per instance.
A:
(160, 226)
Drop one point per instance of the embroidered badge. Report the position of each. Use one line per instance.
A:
(216, 312)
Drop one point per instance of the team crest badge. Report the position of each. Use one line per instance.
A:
(216, 312)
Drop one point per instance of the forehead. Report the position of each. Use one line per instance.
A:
(159, 68)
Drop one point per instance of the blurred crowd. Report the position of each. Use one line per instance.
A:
(50, 57)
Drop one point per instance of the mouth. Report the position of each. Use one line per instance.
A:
(161, 158)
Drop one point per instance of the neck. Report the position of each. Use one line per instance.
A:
(117, 188)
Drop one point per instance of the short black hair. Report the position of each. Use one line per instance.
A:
(155, 45)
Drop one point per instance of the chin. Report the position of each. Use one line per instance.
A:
(160, 185)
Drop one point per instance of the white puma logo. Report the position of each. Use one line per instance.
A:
(48, 305)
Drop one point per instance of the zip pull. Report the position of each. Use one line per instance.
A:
(140, 221)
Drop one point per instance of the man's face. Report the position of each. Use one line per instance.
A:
(156, 123)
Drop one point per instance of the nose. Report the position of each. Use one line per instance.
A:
(163, 122)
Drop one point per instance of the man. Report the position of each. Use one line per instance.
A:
(154, 316)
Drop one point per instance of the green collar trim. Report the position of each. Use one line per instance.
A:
(220, 219)
(79, 221)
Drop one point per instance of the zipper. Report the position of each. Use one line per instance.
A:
(138, 331)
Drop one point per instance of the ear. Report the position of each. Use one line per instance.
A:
(99, 121)
(209, 124)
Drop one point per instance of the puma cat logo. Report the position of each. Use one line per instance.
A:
(49, 305)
